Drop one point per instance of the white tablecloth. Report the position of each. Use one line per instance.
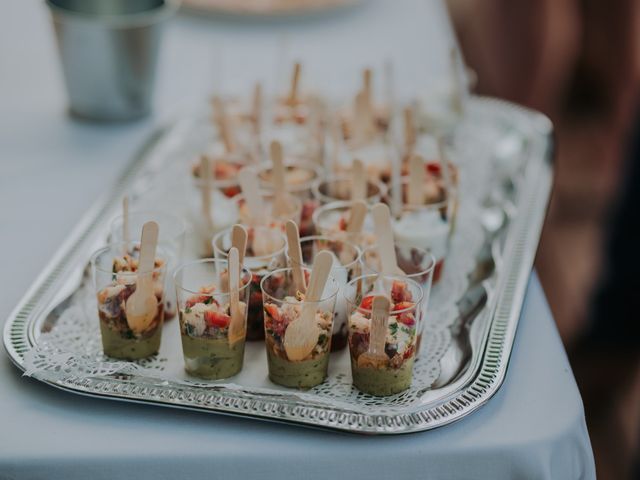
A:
(52, 168)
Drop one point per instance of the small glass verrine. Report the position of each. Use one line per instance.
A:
(283, 304)
(212, 339)
(224, 214)
(339, 189)
(115, 278)
(265, 253)
(427, 226)
(332, 220)
(417, 264)
(347, 265)
(294, 211)
(171, 234)
(300, 178)
(224, 172)
(393, 372)
(299, 127)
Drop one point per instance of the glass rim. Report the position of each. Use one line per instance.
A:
(289, 269)
(227, 231)
(295, 188)
(215, 183)
(234, 158)
(416, 302)
(134, 19)
(345, 204)
(114, 246)
(212, 261)
(430, 269)
(307, 238)
(449, 190)
(269, 195)
(151, 214)
(382, 189)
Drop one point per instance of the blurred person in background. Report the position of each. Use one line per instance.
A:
(578, 61)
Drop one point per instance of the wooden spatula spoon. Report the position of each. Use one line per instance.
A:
(295, 82)
(239, 240)
(444, 164)
(251, 190)
(126, 236)
(237, 328)
(358, 181)
(224, 126)
(256, 108)
(295, 253)
(142, 305)
(415, 193)
(280, 206)
(375, 356)
(409, 130)
(302, 334)
(357, 214)
(205, 171)
(367, 91)
(384, 233)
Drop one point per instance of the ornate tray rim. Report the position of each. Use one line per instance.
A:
(470, 393)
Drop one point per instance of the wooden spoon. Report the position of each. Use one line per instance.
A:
(280, 204)
(126, 236)
(458, 89)
(251, 190)
(142, 306)
(295, 81)
(302, 334)
(239, 240)
(384, 233)
(361, 119)
(375, 356)
(256, 108)
(358, 181)
(415, 194)
(356, 216)
(224, 126)
(444, 164)
(237, 328)
(367, 91)
(336, 141)
(409, 130)
(295, 253)
(205, 170)
(125, 219)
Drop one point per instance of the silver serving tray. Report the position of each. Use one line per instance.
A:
(505, 154)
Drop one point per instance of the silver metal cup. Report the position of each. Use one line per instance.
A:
(109, 51)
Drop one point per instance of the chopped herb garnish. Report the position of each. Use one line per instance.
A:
(187, 310)
(393, 328)
(208, 300)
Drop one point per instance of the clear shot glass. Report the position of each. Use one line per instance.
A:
(212, 338)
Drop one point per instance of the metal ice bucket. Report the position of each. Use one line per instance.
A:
(109, 51)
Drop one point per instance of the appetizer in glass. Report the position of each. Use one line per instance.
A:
(383, 365)
(298, 325)
(213, 317)
(346, 266)
(265, 252)
(130, 322)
